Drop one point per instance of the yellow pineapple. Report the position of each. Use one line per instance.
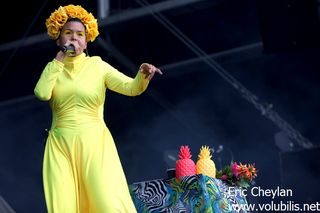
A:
(204, 164)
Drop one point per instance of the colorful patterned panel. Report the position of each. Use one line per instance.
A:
(192, 194)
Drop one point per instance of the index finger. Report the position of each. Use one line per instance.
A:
(159, 71)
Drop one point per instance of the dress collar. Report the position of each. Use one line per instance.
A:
(74, 61)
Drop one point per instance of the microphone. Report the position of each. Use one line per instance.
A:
(68, 49)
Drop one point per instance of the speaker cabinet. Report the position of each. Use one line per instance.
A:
(300, 172)
(288, 25)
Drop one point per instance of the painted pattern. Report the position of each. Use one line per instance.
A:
(198, 193)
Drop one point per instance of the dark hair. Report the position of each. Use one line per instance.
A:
(76, 20)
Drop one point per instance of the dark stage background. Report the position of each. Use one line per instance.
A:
(206, 49)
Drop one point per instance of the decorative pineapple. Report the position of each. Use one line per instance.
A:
(185, 166)
(204, 164)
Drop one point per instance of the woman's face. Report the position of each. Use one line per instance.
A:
(73, 33)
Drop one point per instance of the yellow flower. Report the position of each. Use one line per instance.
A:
(60, 16)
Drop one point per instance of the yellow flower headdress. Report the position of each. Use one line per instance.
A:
(60, 16)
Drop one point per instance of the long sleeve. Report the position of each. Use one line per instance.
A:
(45, 84)
(118, 82)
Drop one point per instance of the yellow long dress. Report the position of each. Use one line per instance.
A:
(82, 172)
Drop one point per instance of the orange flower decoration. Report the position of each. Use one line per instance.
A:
(243, 170)
(252, 171)
(238, 174)
(60, 16)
